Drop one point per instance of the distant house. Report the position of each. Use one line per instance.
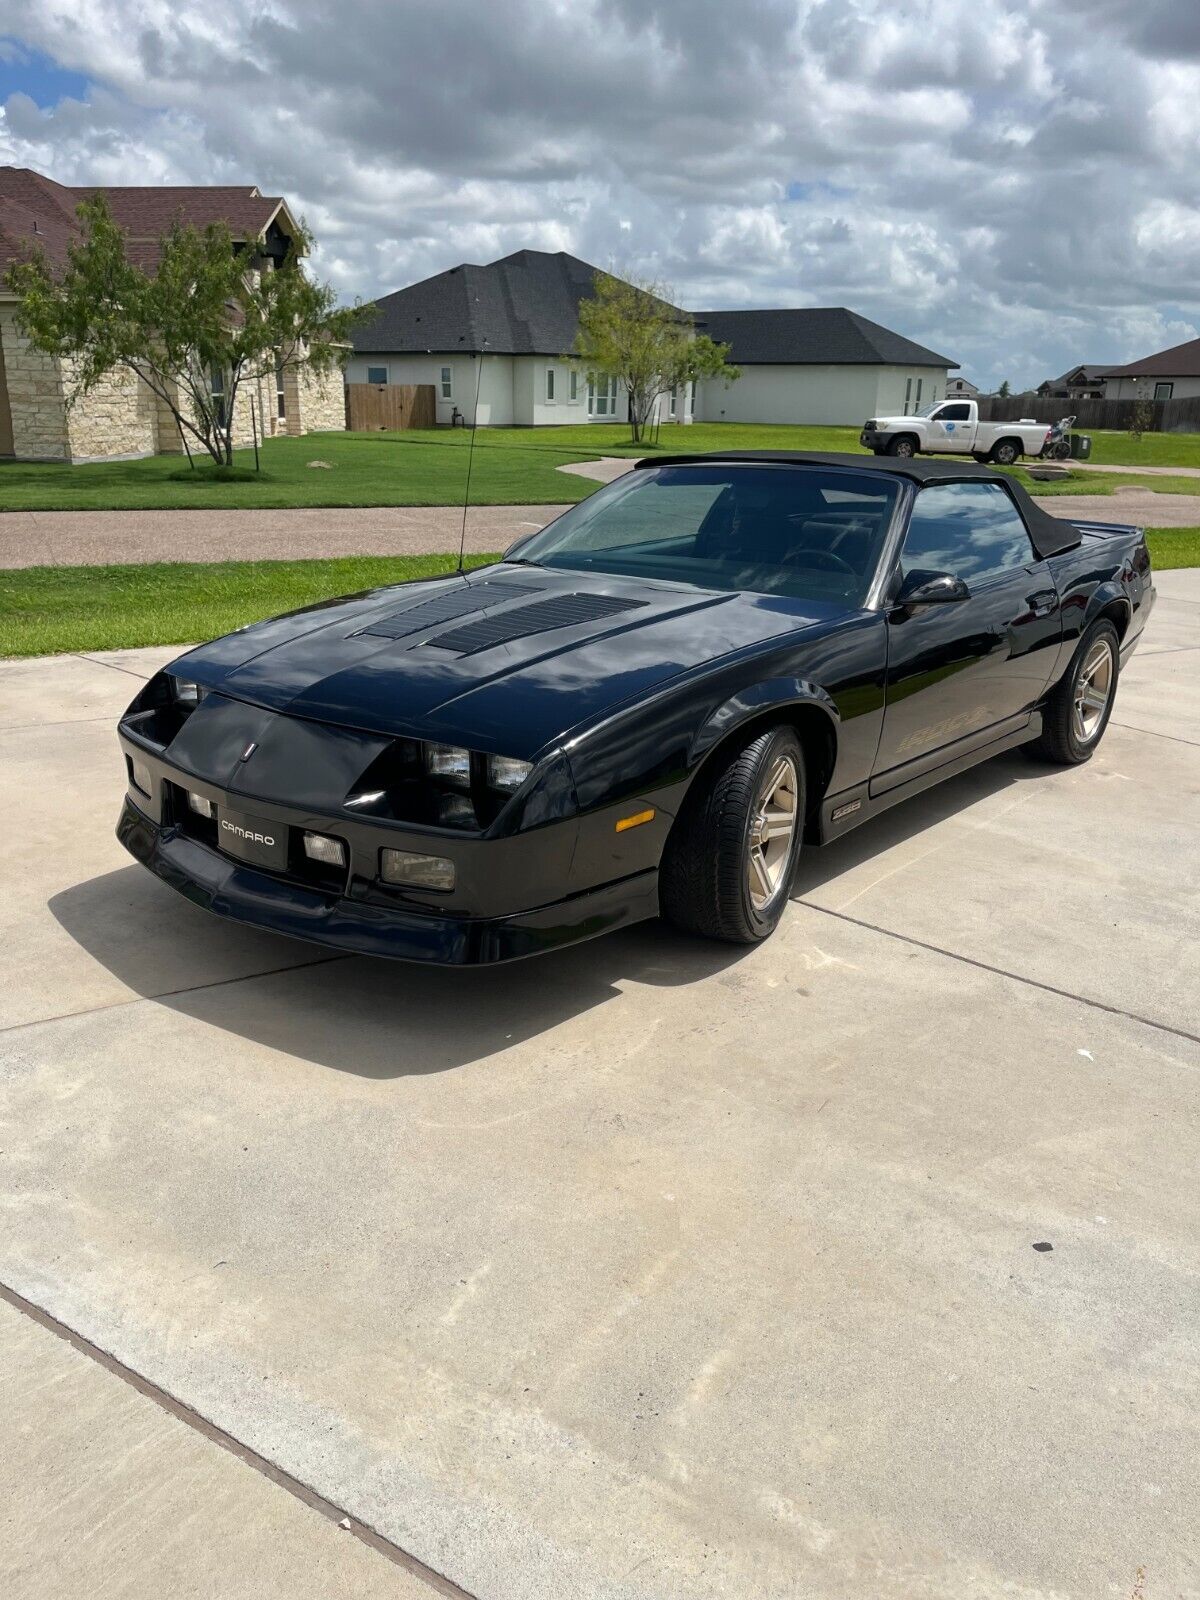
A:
(1077, 383)
(521, 313)
(121, 417)
(1172, 374)
(961, 389)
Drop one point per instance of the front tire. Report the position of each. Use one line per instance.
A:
(728, 867)
(1078, 708)
(905, 447)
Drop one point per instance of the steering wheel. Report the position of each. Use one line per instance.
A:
(838, 563)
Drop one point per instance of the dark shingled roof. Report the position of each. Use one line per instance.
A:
(34, 210)
(524, 304)
(528, 304)
(1180, 361)
(813, 336)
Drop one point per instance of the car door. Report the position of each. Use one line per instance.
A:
(948, 425)
(964, 672)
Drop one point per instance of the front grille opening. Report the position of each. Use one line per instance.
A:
(189, 822)
(314, 874)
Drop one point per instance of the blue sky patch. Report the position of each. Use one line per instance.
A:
(26, 71)
(818, 190)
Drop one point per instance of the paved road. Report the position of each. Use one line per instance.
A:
(653, 1269)
(93, 538)
(86, 538)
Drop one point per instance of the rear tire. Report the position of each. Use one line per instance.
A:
(731, 857)
(1077, 710)
(1005, 452)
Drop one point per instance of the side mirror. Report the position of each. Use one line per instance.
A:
(931, 589)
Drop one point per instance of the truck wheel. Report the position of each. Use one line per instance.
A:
(904, 446)
(980, 456)
(1077, 709)
(729, 863)
(1006, 452)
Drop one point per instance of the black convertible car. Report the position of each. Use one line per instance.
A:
(644, 708)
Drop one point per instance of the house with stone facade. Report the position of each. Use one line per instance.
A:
(41, 419)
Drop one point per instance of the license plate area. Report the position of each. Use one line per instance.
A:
(259, 840)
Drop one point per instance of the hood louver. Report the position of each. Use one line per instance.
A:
(563, 611)
(445, 608)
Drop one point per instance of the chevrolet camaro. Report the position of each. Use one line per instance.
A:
(647, 708)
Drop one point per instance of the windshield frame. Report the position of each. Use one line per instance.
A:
(872, 584)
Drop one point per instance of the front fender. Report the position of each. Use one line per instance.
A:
(771, 694)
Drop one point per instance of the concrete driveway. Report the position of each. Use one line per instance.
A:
(864, 1265)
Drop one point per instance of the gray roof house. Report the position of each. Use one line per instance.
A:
(518, 317)
(1085, 382)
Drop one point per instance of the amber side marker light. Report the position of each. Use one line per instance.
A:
(636, 820)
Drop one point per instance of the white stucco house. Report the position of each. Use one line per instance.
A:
(518, 316)
(1172, 374)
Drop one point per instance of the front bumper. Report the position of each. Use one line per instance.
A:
(263, 899)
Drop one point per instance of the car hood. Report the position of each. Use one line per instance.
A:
(507, 658)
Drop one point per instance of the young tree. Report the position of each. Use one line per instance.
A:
(194, 330)
(1003, 392)
(628, 330)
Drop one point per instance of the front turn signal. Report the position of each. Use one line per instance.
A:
(636, 820)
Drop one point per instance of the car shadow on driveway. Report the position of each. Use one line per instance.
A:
(360, 1014)
(383, 1019)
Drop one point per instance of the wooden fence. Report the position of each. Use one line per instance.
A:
(1169, 416)
(371, 407)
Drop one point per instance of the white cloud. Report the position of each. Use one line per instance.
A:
(1010, 182)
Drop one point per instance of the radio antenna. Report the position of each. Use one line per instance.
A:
(462, 543)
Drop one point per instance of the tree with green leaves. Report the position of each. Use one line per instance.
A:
(1003, 392)
(208, 319)
(630, 331)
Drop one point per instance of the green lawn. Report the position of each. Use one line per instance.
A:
(512, 466)
(47, 610)
(1104, 483)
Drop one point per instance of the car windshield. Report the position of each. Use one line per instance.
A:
(808, 532)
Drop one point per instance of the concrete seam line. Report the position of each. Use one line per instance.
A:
(1003, 972)
(1152, 733)
(67, 722)
(170, 994)
(217, 1435)
(142, 677)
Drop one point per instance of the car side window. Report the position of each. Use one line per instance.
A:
(958, 412)
(972, 530)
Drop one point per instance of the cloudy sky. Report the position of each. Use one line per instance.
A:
(1013, 183)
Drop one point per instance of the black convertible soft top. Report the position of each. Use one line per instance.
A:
(1050, 534)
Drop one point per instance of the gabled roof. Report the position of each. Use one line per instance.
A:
(523, 304)
(1092, 373)
(1180, 361)
(812, 336)
(34, 210)
(528, 304)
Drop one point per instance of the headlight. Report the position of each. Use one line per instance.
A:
(185, 692)
(449, 763)
(506, 774)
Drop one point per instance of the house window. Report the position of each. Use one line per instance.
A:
(920, 381)
(1163, 391)
(907, 396)
(574, 386)
(549, 386)
(377, 375)
(217, 380)
(447, 384)
(280, 396)
(671, 406)
(602, 396)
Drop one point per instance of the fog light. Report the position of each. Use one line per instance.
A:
(416, 872)
(507, 774)
(448, 762)
(201, 806)
(320, 847)
(140, 773)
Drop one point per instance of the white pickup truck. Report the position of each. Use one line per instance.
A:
(952, 427)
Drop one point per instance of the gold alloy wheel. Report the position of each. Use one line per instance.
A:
(1093, 689)
(771, 830)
